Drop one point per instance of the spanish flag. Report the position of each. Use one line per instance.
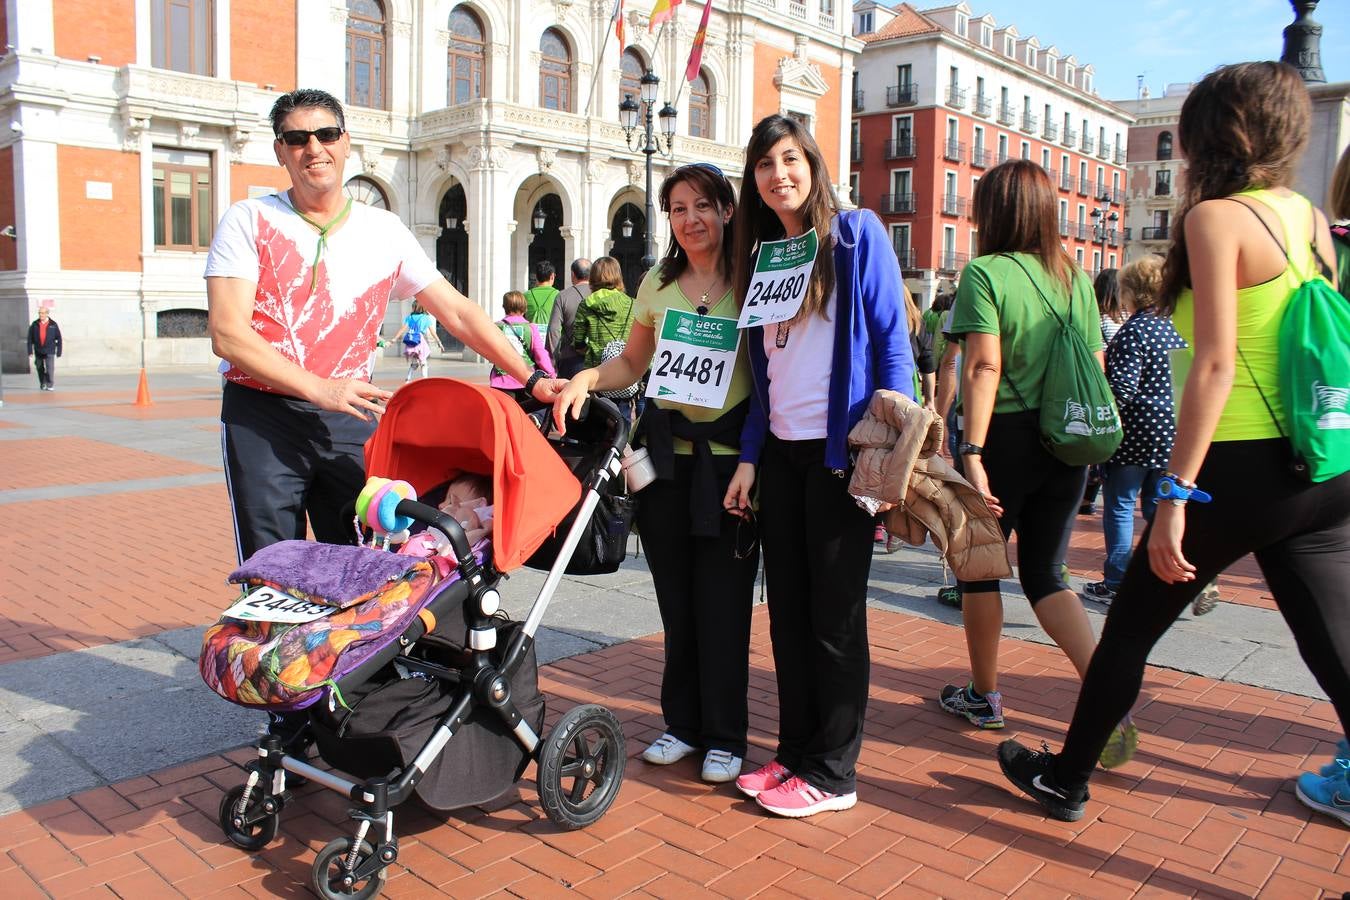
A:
(662, 12)
(696, 51)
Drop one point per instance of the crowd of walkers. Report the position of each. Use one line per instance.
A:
(1189, 346)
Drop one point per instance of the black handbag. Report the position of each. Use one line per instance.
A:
(604, 544)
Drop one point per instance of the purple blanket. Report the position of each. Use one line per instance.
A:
(329, 573)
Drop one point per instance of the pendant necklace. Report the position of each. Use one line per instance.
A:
(701, 307)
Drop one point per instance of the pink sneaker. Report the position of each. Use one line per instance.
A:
(763, 779)
(796, 799)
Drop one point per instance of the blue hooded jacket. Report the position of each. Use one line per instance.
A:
(871, 339)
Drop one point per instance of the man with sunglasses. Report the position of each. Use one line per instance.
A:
(297, 284)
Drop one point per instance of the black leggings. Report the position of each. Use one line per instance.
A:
(1040, 497)
(1300, 534)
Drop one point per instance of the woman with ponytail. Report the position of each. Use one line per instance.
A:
(1244, 244)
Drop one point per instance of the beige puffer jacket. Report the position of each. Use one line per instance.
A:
(897, 444)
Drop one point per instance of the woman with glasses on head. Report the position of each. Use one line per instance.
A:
(703, 559)
(1244, 244)
(836, 332)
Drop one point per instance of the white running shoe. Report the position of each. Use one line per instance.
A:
(667, 749)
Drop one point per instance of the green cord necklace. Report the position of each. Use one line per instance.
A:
(323, 237)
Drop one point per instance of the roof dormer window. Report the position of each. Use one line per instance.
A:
(987, 36)
(961, 20)
(1031, 57)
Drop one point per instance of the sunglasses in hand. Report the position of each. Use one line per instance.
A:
(329, 134)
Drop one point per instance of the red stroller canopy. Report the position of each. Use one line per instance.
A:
(437, 428)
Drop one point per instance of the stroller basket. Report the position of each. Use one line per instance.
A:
(444, 704)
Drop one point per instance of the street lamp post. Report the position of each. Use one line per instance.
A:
(1100, 217)
(648, 141)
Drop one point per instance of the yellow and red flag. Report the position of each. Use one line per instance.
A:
(696, 51)
(662, 12)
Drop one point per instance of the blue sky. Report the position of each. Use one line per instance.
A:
(1167, 40)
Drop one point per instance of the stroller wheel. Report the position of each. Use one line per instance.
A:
(244, 834)
(581, 766)
(330, 875)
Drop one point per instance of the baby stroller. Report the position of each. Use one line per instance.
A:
(412, 681)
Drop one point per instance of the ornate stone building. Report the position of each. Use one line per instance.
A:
(489, 126)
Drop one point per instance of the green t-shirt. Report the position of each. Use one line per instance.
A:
(650, 310)
(996, 297)
(539, 303)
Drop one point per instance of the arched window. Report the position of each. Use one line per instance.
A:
(555, 71)
(700, 107)
(1165, 145)
(467, 52)
(365, 53)
(631, 70)
(363, 190)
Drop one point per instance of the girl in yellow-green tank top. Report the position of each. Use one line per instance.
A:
(1231, 489)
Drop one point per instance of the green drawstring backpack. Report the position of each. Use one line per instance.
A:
(1079, 421)
(1314, 369)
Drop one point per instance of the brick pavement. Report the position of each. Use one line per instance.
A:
(1205, 809)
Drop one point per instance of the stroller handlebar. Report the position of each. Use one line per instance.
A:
(594, 406)
(430, 515)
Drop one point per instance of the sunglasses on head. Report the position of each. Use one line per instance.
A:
(329, 134)
(706, 166)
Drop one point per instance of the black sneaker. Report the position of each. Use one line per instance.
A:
(1031, 771)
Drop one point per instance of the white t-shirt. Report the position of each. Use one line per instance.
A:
(328, 329)
(799, 376)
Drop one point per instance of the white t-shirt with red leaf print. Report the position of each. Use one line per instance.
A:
(325, 322)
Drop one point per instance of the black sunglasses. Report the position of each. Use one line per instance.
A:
(329, 134)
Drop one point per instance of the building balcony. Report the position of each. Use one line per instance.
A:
(1029, 122)
(954, 151)
(1162, 189)
(1113, 238)
(1006, 115)
(1118, 196)
(956, 97)
(1066, 180)
(1050, 173)
(1064, 227)
(1103, 192)
(1104, 152)
(900, 148)
(953, 205)
(1119, 157)
(979, 158)
(1069, 138)
(855, 153)
(982, 107)
(902, 94)
(1085, 186)
(1083, 231)
(951, 262)
(897, 204)
(1050, 133)
(1002, 157)
(906, 256)
(858, 100)
(1087, 144)
(1154, 233)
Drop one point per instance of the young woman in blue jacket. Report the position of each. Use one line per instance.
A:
(813, 377)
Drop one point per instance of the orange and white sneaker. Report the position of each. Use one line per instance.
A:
(763, 779)
(797, 799)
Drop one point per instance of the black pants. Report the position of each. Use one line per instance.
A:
(45, 363)
(286, 459)
(704, 587)
(1040, 497)
(817, 556)
(1300, 534)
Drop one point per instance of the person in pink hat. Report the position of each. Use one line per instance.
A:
(44, 345)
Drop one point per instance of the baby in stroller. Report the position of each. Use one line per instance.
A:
(413, 682)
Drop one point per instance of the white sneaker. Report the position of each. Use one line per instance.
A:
(666, 750)
(719, 767)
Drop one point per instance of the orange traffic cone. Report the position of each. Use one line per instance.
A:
(143, 392)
